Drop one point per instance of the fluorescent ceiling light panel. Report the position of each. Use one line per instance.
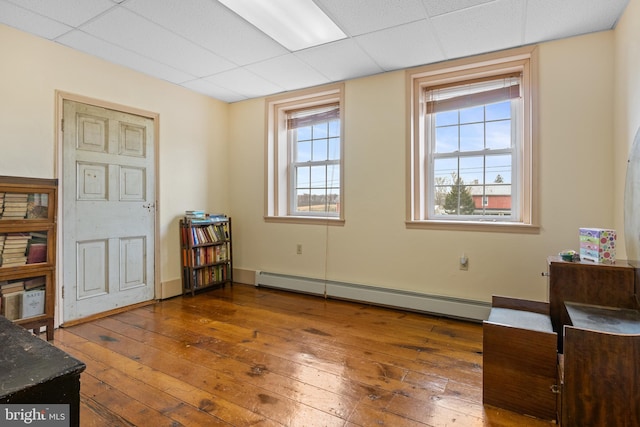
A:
(295, 24)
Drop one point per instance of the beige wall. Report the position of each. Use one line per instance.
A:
(626, 110)
(193, 128)
(375, 248)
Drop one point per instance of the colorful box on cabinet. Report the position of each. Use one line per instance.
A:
(598, 245)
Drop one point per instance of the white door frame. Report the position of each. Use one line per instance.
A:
(61, 96)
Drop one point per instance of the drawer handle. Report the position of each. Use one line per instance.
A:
(555, 389)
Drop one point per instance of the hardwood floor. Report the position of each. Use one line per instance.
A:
(247, 356)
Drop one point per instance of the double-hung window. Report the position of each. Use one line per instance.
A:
(471, 150)
(314, 145)
(305, 156)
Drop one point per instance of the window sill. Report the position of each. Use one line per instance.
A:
(312, 220)
(494, 227)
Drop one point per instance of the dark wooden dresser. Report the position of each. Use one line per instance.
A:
(574, 359)
(32, 371)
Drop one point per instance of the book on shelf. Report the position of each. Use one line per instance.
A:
(194, 214)
(15, 206)
(14, 262)
(14, 249)
(37, 252)
(37, 206)
(33, 303)
(34, 282)
(11, 287)
(12, 305)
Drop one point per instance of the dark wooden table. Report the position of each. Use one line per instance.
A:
(32, 371)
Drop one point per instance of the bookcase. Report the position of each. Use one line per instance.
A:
(28, 209)
(206, 253)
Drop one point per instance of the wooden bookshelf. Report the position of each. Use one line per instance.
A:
(206, 253)
(28, 209)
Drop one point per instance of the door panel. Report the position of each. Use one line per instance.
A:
(92, 272)
(109, 209)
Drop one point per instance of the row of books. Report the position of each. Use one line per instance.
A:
(211, 233)
(205, 255)
(22, 298)
(209, 275)
(22, 248)
(15, 206)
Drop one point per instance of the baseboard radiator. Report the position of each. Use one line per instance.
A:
(414, 301)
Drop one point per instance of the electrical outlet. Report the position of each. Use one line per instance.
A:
(464, 263)
(299, 249)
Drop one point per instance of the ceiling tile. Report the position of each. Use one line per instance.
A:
(439, 7)
(404, 46)
(569, 17)
(357, 17)
(129, 31)
(214, 91)
(288, 72)
(340, 60)
(70, 12)
(489, 27)
(205, 47)
(28, 21)
(244, 82)
(87, 43)
(214, 28)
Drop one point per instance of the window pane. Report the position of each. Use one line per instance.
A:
(303, 200)
(318, 200)
(334, 128)
(472, 170)
(304, 133)
(321, 130)
(447, 118)
(318, 176)
(501, 110)
(303, 151)
(498, 169)
(499, 134)
(498, 200)
(333, 176)
(472, 137)
(446, 139)
(334, 149)
(303, 177)
(320, 150)
(472, 115)
(445, 170)
(333, 200)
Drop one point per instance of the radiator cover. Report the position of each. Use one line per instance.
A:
(414, 301)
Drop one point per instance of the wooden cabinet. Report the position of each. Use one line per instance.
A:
(575, 358)
(28, 209)
(601, 378)
(206, 253)
(589, 283)
(519, 358)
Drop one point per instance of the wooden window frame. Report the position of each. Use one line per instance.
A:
(522, 60)
(278, 191)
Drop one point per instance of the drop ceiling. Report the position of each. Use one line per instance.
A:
(205, 47)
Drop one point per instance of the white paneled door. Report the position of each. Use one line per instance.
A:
(108, 207)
